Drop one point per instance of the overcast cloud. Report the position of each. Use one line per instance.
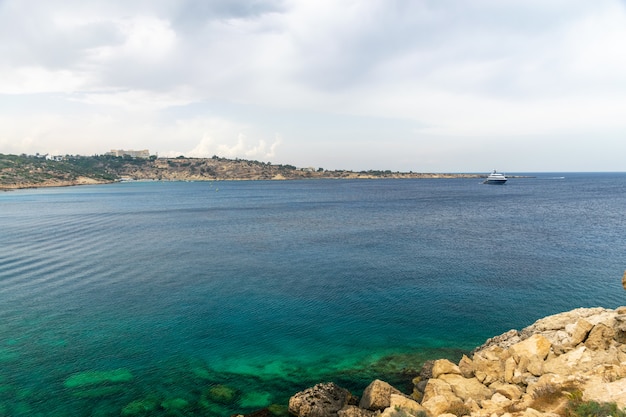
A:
(422, 85)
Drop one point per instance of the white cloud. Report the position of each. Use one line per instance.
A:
(194, 76)
(225, 139)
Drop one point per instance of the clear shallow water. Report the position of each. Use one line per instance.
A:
(178, 290)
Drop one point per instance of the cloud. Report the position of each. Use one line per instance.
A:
(199, 76)
(226, 140)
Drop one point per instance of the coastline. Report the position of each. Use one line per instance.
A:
(52, 183)
(19, 172)
(350, 176)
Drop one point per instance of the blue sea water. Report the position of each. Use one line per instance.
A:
(196, 298)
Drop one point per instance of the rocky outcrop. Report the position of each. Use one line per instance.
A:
(532, 372)
(322, 400)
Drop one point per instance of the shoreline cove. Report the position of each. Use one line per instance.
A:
(162, 298)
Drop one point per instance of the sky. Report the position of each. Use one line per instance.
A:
(404, 85)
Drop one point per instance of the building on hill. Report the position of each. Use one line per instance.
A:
(133, 154)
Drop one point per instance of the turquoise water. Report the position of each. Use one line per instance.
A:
(166, 298)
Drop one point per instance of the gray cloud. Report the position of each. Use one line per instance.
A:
(417, 70)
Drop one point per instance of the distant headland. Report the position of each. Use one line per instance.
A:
(33, 171)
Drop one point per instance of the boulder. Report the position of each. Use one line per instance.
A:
(322, 400)
(444, 366)
(354, 411)
(620, 328)
(510, 391)
(511, 374)
(579, 331)
(466, 388)
(600, 337)
(466, 367)
(488, 364)
(400, 403)
(377, 395)
(535, 346)
(496, 404)
(439, 404)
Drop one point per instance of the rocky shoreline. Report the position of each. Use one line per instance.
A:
(52, 183)
(579, 355)
(184, 177)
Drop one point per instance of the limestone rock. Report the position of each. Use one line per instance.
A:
(466, 388)
(439, 404)
(620, 328)
(580, 331)
(488, 364)
(322, 400)
(466, 367)
(600, 337)
(510, 391)
(496, 404)
(624, 280)
(354, 411)
(436, 388)
(403, 404)
(597, 389)
(504, 340)
(511, 374)
(444, 366)
(535, 346)
(377, 395)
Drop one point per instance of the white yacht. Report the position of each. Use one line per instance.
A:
(495, 178)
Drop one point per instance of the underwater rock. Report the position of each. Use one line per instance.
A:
(90, 378)
(175, 404)
(139, 408)
(222, 394)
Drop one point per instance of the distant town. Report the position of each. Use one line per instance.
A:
(45, 170)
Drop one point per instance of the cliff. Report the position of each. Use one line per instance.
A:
(558, 366)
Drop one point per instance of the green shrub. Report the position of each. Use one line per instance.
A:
(579, 408)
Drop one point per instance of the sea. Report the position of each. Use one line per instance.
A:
(217, 298)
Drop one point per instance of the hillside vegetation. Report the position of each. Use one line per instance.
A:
(24, 171)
